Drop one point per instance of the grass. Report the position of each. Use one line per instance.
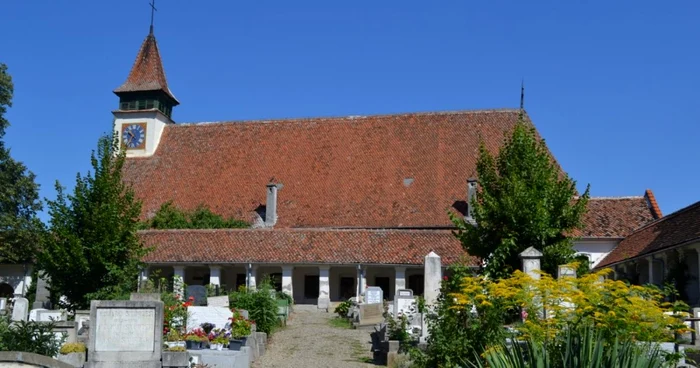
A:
(358, 352)
(338, 322)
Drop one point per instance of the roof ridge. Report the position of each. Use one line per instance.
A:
(292, 230)
(355, 117)
(612, 198)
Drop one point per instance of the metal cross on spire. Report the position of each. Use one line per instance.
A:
(522, 94)
(153, 10)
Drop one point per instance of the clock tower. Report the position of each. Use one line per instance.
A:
(145, 102)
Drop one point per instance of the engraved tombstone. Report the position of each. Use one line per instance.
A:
(43, 315)
(374, 295)
(566, 271)
(21, 309)
(404, 302)
(199, 293)
(531, 262)
(125, 333)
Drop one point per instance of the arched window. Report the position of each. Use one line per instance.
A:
(6, 291)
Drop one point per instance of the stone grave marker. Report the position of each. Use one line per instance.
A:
(564, 271)
(218, 301)
(432, 278)
(371, 314)
(530, 259)
(199, 293)
(21, 309)
(219, 316)
(404, 302)
(145, 297)
(125, 333)
(50, 315)
(3, 304)
(374, 295)
(33, 313)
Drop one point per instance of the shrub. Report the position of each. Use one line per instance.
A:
(550, 306)
(176, 349)
(261, 306)
(72, 347)
(343, 308)
(30, 337)
(583, 347)
(455, 334)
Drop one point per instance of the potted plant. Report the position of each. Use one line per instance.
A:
(240, 330)
(173, 338)
(73, 353)
(195, 339)
(217, 340)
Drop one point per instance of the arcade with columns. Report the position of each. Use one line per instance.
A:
(305, 283)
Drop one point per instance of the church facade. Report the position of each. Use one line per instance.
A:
(335, 204)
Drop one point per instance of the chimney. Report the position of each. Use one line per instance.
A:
(471, 198)
(271, 205)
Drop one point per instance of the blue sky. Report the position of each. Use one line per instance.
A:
(613, 86)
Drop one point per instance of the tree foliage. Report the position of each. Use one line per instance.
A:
(92, 250)
(171, 217)
(524, 200)
(20, 229)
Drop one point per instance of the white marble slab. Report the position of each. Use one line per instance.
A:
(124, 329)
(219, 316)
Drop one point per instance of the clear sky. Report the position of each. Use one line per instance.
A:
(613, 86)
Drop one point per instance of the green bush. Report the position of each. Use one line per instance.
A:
(455, 335)
(583, 347)
(342, 309)
(30, 337)
(261, 306)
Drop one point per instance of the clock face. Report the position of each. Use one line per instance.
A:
(134, 135)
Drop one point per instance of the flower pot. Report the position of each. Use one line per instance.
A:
(212, 346)
(193, 345)
(236, 344)
(219, 347)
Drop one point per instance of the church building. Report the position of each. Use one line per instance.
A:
(335, 204)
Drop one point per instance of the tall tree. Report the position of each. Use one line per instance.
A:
(524, 199)
(20, 228)
(92, 250)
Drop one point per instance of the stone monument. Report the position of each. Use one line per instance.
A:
(432, 278)
(531, 262)
(565, 271)
(199, 293)
(374, 295)
(125, 333)
(21, 309)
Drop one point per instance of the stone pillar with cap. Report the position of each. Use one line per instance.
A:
(400, 278)
(324, 291)
(287, 284)
(432, 278)
(531, 259)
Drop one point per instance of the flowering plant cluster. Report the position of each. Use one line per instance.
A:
(175, 313)
(219, 336)
(197, 335)
(240, 326)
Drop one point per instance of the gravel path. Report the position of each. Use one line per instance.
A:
(309, 340)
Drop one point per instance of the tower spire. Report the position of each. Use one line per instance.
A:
(522, 94)
(153, 10)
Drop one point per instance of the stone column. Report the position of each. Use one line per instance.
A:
(324, 290)
(650, 268)
(143, 278)
(359, 289)
(252, 271)
(432, 277)
(530, 258)
(400, 278)
(287, 285)
(179, 281)
(214, 275)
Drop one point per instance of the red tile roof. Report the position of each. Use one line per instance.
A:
(147, 74)
(615, 217)
(676, 229)
(373, 172)
(389, 171)
(301, 246)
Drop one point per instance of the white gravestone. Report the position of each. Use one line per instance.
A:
(125, 333)
(218, 301)
(404, 302)
(219, 316)
(566, 271)
(21, 309)
(531, 262)
(50, 315)
(374, 295)
(432, 278)
(34, 312)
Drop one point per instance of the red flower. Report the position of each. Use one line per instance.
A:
(444, 278)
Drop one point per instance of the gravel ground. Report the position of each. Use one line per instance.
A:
(310, 341)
